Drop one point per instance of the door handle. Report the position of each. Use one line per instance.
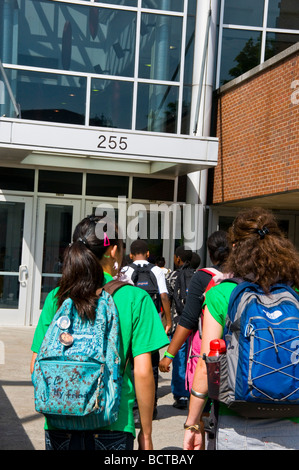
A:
(23, 275)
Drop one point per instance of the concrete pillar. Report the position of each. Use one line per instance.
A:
(202, 91)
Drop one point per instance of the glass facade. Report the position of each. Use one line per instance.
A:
(244, 12)
(241, 51)
(162, 34)
(283, 14)
(107, 185)
(127, 64)
(48, 96)
(59, 182)
(114, 64)
(171, 5)
(252, 32)
(11, 238)
(152, 189)
(111, 103)
(17, 179)
(157, 108)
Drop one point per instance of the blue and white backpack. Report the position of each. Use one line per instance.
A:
(258, 377)
(77, 375)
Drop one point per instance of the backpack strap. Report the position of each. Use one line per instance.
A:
(212, 271)
(112, 286)
(181, 278)
(147, 267)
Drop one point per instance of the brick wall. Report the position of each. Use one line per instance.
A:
(258, 130)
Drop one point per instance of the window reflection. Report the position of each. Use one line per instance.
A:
(283, 15)
(170, 5)
(240, 52)
(186, 110)
(243, 12)
(153, 189)
(111, 103)
(57, 236)
(189, 51)
(157, 108)
(59, 182)
(16, 178)
(129, 3)
(11, 236)
(12, 221)
(107, 185)
(160, 47)
(192, 7)
(95, 39)
(278, 42)
(50, 97)
(74, 37)
(188, 69)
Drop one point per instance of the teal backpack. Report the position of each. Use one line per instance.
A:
(77, 375)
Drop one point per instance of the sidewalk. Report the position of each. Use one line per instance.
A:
(21, 428)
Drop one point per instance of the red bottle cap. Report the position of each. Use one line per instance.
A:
(217, 346)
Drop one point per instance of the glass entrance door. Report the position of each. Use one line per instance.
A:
(140, 221)
(56, 221)
(156, 227)
(15, 271)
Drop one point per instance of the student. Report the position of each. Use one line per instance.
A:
(139, 254)
(182, 259)
(262, 253)
(195, 260)
(90, 262)
(218, 248)
(160, 261)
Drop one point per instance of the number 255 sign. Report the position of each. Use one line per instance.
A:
(113, 142)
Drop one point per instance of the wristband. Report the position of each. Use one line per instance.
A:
(198, 394)
(192, 427)
(167, 354)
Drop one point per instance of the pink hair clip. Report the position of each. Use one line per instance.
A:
(106, 240)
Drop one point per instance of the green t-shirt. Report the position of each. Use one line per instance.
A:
(141, 331)
(217, 300)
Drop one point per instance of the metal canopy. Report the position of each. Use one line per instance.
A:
(38, 143)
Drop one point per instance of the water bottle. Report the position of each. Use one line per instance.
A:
(217, 348)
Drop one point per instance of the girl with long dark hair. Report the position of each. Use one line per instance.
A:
(92, 259)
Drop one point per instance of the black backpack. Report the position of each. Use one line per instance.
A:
(144, 278)
(181, 285)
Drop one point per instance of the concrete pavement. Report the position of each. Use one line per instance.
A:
(21, 428)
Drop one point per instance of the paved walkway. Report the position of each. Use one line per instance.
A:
(21, 428)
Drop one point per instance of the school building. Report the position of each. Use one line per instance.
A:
(170, 115)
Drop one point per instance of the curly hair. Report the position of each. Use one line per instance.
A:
(260, 251)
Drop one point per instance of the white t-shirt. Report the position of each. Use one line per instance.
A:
(128, 271)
